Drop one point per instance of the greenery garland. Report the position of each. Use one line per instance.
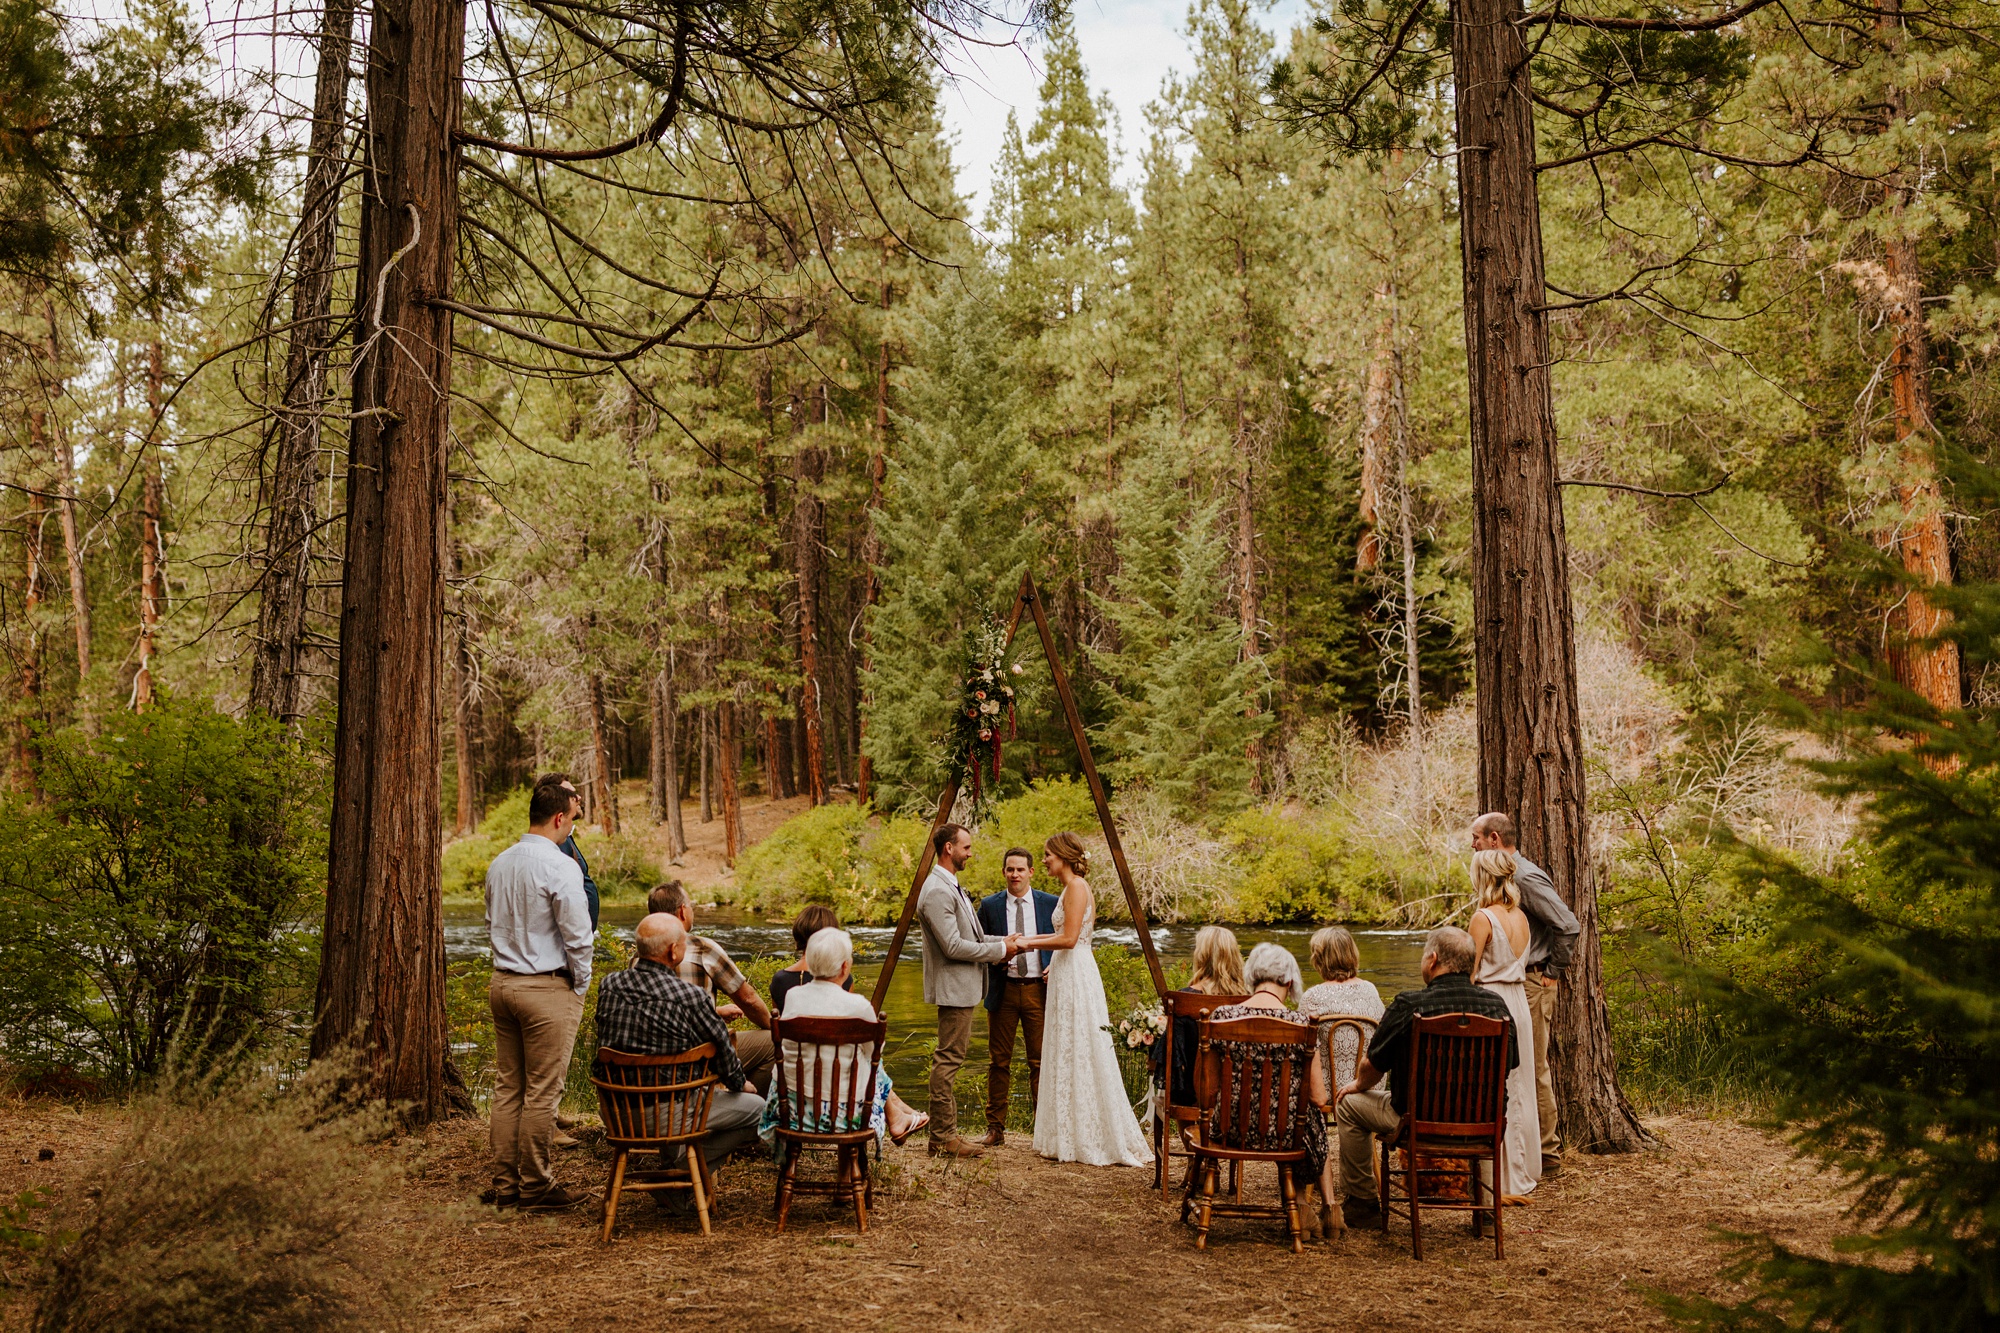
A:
(986, 700)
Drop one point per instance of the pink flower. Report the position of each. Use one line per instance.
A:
(985, 735)
(979, 694)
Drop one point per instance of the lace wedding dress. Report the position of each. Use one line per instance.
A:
(1081, 1114)
(1503, 972)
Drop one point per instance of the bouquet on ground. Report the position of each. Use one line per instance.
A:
(985, 706)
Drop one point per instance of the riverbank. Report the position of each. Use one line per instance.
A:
(1013, 1242)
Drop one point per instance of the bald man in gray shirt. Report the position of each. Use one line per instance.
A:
(1552, 932)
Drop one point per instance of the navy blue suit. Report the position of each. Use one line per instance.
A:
(575, 853)
(993, 920)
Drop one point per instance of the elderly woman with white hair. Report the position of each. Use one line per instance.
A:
(829, 961)
(1275, 989)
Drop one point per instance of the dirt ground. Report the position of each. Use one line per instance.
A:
(1013, 1242)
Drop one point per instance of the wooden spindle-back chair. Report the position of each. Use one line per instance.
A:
(1174, 1116)
(1253, 1091)
(653, 1103)
(827, 1103)
(1454, 1082)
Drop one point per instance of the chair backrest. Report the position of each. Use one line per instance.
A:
(1253, 1083)
(823, 1083)
(1186, 1009)
(646, 1099)
(1329, 1025)
(1455, 1076)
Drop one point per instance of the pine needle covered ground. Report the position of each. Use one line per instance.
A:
(1012, 1242)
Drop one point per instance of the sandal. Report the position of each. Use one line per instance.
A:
(917, 1122)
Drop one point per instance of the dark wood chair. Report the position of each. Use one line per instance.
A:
(654, 1103)
(822, 1107)
(1454, 1081)
(1174, 1117)
(1253, 1088)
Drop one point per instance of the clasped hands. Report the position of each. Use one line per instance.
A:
(1014, 946)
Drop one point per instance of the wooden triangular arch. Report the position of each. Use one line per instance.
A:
(1029, 599)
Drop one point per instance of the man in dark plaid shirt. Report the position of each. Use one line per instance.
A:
(648, 1010)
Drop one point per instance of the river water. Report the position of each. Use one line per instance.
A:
(1388, 958)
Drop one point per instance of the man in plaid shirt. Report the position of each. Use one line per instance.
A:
(648, 1010)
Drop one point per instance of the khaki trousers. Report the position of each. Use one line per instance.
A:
(1541, 1012)
(1361, 1116)
(954, 1041)
(757, 1056)
(1020, 1002)
(534, 1031)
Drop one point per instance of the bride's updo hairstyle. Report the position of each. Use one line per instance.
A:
(1493, 878)
(1068, 848)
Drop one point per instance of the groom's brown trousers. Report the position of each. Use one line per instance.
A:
(1020, 1001)
(953, 1044)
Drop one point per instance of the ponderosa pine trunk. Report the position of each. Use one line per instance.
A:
(729, 767)
(871, 544)
(1531, 762)
(382, 978)
(79, 594)
(464, 761)
(605, 780)
(152, 546)
(807, 535)
(290, 497)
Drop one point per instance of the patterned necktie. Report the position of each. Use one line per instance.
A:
(1020, 928)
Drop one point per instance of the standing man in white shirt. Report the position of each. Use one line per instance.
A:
(538, 921)
(956, 952)
(1016, 990)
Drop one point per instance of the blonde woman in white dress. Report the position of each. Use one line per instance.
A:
(1499, 940)
(1081, 1114)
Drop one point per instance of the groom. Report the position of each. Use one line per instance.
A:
(956, 953)
(1015, 990)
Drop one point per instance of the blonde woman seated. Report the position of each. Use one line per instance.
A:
(829, 960)
(1218, 970)
(1499, 930)
(1273, 975)
(1342, 994)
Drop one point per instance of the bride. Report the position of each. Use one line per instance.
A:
(1081, 1114)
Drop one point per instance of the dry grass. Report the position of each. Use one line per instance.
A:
(1013, 1242)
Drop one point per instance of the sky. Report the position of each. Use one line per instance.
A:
(1128, 48)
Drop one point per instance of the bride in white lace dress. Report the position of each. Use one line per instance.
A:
(1081, 1113)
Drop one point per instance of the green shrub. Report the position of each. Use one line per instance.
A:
(1306, 868)
(622, 866)
(1028, 820)
(236, 1206)
(466, 859)
(149, 898)
(832, 855)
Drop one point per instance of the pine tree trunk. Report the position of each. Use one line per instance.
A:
(666, 728)
(871, 549)
(607, 777)
(461, 718)
(1931, 669)
(79, 597)
(382, 977)
(152, 554)
(292, 490)
(31, 600)
(707, 767)
(807, 535)
(1377, 425)
(732, 804)
(1530, 732)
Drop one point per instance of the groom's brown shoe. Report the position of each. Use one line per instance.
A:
(994, 1138)
(955, 1147)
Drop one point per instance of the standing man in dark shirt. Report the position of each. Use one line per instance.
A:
(1552, 932)
(569, 847)
(1361, 1109)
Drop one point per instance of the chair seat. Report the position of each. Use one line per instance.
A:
(1250, 1154)
(809, 1137)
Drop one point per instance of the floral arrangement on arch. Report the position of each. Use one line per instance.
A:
(986, 704)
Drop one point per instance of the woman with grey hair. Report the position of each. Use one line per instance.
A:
(1273, 975)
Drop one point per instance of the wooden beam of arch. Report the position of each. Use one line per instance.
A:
(1029, 599)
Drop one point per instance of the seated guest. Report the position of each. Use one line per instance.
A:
(1273, 975)
(1363, 1111)
(829, 958)
(707, 966)
(1217, 965)
(812, 919)
(1341, 994)
(648, 1010)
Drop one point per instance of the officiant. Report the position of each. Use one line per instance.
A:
(1016, 989)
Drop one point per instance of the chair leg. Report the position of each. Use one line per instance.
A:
(1472, 1185)
(1160, 1172)
(1415, 1181)
(860, 1169)
(1208, 1171)
(697, 1171)
(1499, 1197)
(1288, 1190)
(611, 1191)
(786, 1174)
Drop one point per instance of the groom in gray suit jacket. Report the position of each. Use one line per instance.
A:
(956, 954)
